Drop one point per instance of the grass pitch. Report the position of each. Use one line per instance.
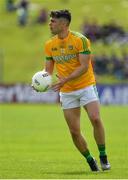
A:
(35, 143)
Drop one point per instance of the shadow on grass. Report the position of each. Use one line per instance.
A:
(72, 173)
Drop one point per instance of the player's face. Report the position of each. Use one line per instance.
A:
(56, 25)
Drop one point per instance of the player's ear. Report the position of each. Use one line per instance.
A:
(63, 21)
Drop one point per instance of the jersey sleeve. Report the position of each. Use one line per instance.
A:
(83, 45)
(48, 52)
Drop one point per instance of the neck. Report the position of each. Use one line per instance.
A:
(63, 34)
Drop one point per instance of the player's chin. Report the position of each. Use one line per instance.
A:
(53, 32)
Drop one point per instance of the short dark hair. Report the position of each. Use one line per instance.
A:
(61, 14)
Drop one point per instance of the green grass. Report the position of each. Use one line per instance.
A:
(22, 48)
(35, 143)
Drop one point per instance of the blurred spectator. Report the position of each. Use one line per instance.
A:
(111, 32)
(10, 5)
(91, 29)
(113, 65)
(22, 12)
(101, 64)
(106, 33)
(125, 60)
(118, 66)
(126, 70)
(43, 16)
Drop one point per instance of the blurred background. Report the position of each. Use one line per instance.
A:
(24, 30)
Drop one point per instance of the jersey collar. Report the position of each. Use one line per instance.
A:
(65, 39)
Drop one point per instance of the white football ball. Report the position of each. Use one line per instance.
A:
(41, 81)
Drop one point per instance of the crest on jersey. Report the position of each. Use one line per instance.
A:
(62, 50)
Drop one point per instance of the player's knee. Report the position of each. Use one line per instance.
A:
(95, 119)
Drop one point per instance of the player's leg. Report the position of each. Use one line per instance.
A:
(72, 117)
(93, 111)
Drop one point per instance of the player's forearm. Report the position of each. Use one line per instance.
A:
(49, 66)
(50, 71)
(78, 72)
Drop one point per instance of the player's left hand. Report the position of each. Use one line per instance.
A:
(59, 84)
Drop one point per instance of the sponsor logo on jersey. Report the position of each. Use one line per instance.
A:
(64, 58)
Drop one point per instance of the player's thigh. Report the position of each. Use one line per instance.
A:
(88, 95)
(69, 100)
(72, 117)
(93, 110)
